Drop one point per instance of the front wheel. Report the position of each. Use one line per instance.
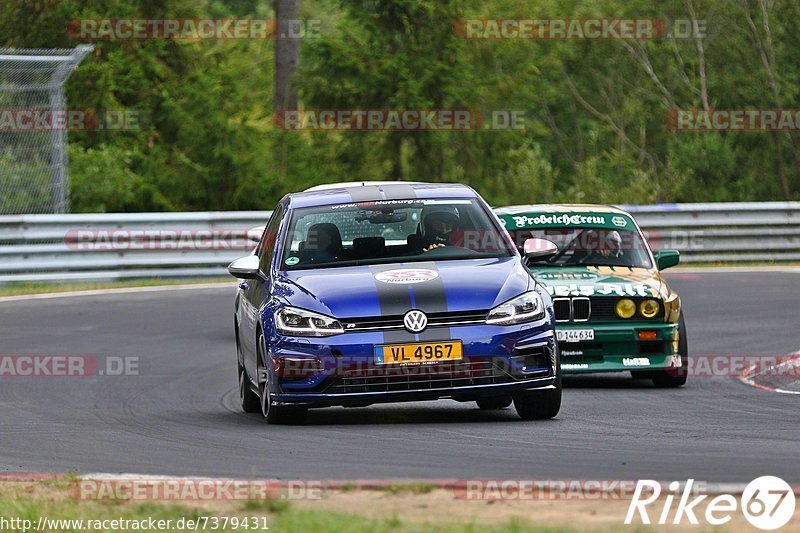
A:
(540, 404)
(248, 399)
(675, 377)
(273, 413)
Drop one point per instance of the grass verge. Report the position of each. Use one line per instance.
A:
(53, 506)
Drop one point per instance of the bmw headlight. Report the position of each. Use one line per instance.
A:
(648, 308)
(524, 308)
(302, 323)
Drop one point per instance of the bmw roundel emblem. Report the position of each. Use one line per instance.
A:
(415, 321)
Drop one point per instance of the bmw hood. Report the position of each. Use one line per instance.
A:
(599, 281)
(393, 289)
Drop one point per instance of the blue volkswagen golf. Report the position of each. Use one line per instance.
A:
(388, 292)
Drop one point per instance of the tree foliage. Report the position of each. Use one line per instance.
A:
(595, 110)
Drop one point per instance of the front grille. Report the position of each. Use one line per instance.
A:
(577, 309)
(561, 308)
(396, 321)
(581, 309)
(530, 363)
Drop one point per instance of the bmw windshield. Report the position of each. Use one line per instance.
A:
(392, 231)
(590, 246)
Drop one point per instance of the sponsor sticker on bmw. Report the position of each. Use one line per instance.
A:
(407, 276)
(619, 221)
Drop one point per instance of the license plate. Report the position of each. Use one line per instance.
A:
(418, 353)
(574, 335)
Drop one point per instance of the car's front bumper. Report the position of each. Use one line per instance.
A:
(463, 393)
(617, 347)
(340, 370)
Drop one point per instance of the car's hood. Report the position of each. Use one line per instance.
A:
(600, 281)
(383, 290)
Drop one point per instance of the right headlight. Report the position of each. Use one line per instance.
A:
(526, 307)
(303, 323)
(648, 308)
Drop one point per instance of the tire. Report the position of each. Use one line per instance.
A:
(274, 414)
(494, 402)
(675, 377)
(540, 404)
(248, 399)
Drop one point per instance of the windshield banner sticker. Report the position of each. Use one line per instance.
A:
(544, 220)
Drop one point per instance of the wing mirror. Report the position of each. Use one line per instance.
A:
(248, 267)
(538, 249)
(667, 258)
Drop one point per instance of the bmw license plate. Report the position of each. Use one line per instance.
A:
(574, 335)
(418, 353)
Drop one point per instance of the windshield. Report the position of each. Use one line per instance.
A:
(590, 246)
(392, 231)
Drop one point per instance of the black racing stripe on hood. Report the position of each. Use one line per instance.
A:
(368, 193)
(393, 299)
(430, 297)
(398, 192)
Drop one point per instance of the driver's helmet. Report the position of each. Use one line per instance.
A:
(439, 224)
(613, 241)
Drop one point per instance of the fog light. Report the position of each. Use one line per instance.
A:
(648, 308)
(297, 368)
(625, 308)
(648, 335)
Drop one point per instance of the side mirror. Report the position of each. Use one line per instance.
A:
(538, 249)
(667, 258)
(248, 267)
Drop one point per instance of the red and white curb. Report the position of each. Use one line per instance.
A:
(752, 374)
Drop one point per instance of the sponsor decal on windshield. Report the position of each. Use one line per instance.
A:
(545, 220)
(401, 203)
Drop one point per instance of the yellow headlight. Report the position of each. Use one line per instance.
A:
(648, 308)
(626, 308)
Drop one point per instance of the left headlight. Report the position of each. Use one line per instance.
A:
(524, 308)
(303, 323)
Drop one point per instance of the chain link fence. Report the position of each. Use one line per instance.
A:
(33, 137)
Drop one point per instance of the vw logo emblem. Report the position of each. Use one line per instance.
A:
(415, 321)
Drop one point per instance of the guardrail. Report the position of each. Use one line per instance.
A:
(201, 244)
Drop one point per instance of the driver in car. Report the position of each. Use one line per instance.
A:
(608, 250)
(442, 228)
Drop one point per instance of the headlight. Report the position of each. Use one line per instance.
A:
(524, 308)
(302, 323)
(648, 308)
(625, 308)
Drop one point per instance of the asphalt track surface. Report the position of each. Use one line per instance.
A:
(179, 415)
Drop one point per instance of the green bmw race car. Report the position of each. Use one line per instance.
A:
(613, 309)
